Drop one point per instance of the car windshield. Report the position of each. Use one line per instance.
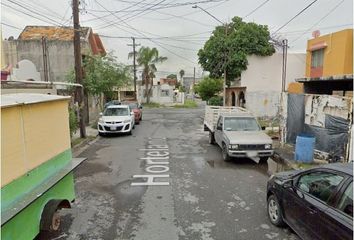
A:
(116, 112)
(240, 124)
(133, 105)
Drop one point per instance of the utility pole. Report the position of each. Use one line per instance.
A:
(225, 72)
(78, 70)
(285, 57)
(134, 64)
(193, 83)
(45, 63)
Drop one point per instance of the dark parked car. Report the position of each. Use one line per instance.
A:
(315, 203)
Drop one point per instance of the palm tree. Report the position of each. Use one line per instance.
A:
(181, 74)
(148, 58)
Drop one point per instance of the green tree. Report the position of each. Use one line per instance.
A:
(230, 51)
(148, 58)
(181, 73)
(172, 76)
(208, 87)
(103, 75)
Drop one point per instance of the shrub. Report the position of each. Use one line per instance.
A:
(73, 121)
(215, 101)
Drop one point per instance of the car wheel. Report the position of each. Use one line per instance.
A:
(211, 138)
(225, 155)
(263, 159)
(274, 211)
(137, 122)
(141, 118)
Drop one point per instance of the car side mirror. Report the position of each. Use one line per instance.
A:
(141, 107)
(219, 127)
(101, 114)
(288, 183)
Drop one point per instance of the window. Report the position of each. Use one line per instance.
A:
(116, 112)
(317, 58)
(165, 93)
(241, 124)
(346, 202)
(219, 124)
(319, 184)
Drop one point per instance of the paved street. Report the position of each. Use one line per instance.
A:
(206, 198)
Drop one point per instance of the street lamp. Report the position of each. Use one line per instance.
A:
(225, 26)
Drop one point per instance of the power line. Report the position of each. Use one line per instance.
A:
(27, 14)
(30, 10)
(296, 32)
(254, 10)
(326, 15)
(141, 33)
(11, 26)
(191, 13)
(162, 6)
(303, 10)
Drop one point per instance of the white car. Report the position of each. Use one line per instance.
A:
(116, 119)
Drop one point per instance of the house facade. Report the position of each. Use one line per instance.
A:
(321, 103)
(329, 64)
(260, 86)
(51, 49)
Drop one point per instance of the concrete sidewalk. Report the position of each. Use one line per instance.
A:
(285, 154)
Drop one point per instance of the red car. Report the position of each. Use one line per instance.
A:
(137, 109)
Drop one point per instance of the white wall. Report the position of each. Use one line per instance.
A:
(263, 79)
(264, 73)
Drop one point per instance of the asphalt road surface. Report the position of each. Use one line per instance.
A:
(195, 194)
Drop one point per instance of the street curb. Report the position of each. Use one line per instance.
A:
(279, 159)
(79, 148)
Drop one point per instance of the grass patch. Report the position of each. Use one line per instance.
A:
(152, 105)
(187, 104)
(77, 141)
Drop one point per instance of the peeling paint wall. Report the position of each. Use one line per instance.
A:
(317, 106)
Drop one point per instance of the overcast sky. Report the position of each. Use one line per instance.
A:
(186, 27)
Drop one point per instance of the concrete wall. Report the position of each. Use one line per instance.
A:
(263, 103)
(263, 81)
(264, 73)
(60, 56)
(158, 94)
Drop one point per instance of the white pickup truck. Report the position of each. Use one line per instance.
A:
(237, 133)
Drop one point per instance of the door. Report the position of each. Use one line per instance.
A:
(339, 219)
(306, 205)
(218, 131)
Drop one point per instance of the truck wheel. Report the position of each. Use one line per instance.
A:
(50, 218)
(225, 155)
(211, 138)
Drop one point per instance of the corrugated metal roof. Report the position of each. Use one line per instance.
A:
(51, 33)
(10, 100)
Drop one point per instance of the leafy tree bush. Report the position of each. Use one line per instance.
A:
(209, 87)
(215, 101)
(230, 50)
(172, 76)
(73, 122)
